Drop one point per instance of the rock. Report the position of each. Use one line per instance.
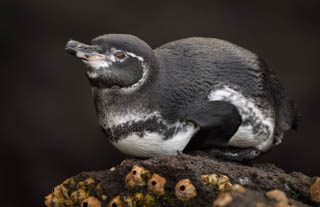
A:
(201, 181)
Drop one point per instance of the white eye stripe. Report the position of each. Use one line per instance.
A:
(114, 51)
(135, 56)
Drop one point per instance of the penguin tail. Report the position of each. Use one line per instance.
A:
(287, 115)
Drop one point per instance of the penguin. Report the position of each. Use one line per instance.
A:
(187, 95)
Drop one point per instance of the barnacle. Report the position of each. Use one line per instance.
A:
(89, 183)
(74, 196)
(59, 197)
(81, 185)
(128, 201)
(149, 200)
(122, 162)
(69, 183)
(90, 202)
(48, 200)
(79, 195)
(99, 190)
(56, 202)
(60, 191)
(315, 191)
(139, 198)
(184, 190)
(136, 177)
(222, 179)
(116, 202)
(237, 188)
(210, 180)
(279, 196)
(68, 203)
(225, 186)
(222, 200)
(52, 201)
(156, 184)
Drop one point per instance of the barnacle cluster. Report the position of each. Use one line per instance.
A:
(140, 177)
(89, 193)
(85, 193)
(132, 201)
(221, 181)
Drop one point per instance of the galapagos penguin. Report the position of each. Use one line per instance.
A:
(191, 94)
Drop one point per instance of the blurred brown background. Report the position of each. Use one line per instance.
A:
(48, 125)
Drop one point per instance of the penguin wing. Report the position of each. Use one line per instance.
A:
(219, 119)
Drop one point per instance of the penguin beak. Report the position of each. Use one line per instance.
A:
(87, 53)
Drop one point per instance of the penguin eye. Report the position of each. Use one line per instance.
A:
(120, 55)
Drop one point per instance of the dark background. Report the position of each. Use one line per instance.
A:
(48, 125)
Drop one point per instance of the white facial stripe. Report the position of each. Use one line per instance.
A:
(114, 50)
(135, 56)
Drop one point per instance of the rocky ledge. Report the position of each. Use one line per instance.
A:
(187, 180)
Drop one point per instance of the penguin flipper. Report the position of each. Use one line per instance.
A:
(218, 121)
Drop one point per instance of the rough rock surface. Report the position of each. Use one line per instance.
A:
(257, 179)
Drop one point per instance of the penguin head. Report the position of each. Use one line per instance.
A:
(115, 61)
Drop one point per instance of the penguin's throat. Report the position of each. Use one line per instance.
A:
(114, 87)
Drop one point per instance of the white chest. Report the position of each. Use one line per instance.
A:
(154, 144)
